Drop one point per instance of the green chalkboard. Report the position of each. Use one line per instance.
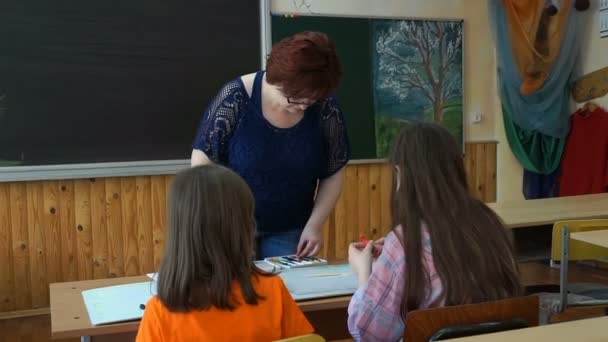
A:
(352, 39)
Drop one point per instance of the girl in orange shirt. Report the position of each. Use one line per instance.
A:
(208, 287)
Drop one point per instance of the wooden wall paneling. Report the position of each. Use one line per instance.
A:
(339, 229)
(99, 229)
(84, 248)
(480, 166)
(115, 234)
(69, 232)
(469, 165)
(143, 190)
(375, 201)
(51, 224)
(386, 182)
(21, 247)
(168, 181)
(129, 226)
(346, 233)
(159, 215)
(490, 175)
(363, 203)
(37, 253)
(480, 171)
(7, 276)
(84, 229)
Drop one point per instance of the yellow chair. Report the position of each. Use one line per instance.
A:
(304, 338)
(563, 249)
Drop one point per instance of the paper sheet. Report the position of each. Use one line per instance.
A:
(319, 282)
(119, 303)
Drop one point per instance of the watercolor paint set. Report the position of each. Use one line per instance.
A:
(292, 261)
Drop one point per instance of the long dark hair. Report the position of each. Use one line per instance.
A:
(209, 241)
(472, 250)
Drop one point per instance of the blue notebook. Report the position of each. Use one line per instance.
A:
(118, 303)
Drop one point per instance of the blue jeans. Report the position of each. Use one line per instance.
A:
(277, 243)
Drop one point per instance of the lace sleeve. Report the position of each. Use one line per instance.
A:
(219, 122)
(334, 132)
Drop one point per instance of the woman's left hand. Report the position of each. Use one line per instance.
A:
(311, 242)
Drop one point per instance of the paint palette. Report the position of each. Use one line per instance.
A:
(292, 261)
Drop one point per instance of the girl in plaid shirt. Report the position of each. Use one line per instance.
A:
(447, 248)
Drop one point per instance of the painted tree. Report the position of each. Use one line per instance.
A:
(422, 56)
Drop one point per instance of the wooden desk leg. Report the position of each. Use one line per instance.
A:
(331, 324)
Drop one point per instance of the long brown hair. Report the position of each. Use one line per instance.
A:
(472, 250)
(209, 241)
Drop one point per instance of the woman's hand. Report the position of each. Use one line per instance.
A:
(360, 259)
(311, 242)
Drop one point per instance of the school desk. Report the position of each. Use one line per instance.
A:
(595, 237)
(546, 211)
(69, 317)
(586, 330)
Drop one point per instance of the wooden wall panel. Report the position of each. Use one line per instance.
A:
(21, 247)
(7, 278)
(99, 229)
(145, 246)
(53, 231)
(36, 236)
(51, 226)
(84, 236)
(67, 222)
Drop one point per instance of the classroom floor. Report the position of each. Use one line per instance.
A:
(38, 328)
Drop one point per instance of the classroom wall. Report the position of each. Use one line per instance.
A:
(479, 78)
(480, 63)
(65, 230)
(594, 52)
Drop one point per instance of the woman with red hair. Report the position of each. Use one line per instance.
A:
(282, 131)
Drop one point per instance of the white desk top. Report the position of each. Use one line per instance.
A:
(550, 210)
(586, 330)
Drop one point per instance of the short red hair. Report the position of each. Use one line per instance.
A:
(304, 66)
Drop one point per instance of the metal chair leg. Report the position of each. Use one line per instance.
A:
(563, 274)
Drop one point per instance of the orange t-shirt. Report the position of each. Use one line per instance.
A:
(273, 318)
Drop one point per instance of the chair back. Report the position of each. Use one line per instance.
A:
(472, 319)
(578, 250)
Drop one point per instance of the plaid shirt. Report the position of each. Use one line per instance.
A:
(374, 310)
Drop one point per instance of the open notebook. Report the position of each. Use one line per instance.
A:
(319, 282)
(122, 303)
(118, 303)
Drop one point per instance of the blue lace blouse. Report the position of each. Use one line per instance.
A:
(282, 166)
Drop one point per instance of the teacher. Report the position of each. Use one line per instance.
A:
(284, 133)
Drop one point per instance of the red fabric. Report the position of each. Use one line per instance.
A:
(585, 159)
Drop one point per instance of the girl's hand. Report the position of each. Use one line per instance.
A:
(360, 259)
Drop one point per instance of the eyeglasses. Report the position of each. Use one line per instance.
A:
(301, 103)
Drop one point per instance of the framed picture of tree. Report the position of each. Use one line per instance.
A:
(417, 71)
